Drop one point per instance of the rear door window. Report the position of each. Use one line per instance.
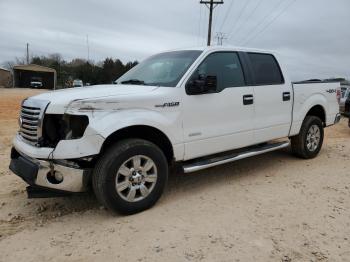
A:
(266, 70)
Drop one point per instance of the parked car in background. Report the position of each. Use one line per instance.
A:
(345, 93)
(36, 82)
(78, 83)
(192, 109)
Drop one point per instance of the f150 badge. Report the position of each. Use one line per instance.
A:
(170, 104)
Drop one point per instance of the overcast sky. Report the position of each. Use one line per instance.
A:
(313, 36)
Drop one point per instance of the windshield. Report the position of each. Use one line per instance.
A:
(165, 69)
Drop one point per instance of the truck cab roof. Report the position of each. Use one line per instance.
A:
(225, 48)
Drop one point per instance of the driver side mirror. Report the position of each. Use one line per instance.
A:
(201, 86)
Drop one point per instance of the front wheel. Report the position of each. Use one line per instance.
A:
(130, 177)
(308, 143)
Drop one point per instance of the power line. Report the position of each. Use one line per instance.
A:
(199, 24)
(262, 21)
(215, 15)
(239, 17)
(273, 20)
(203, 26)
(88, 48)
(211, 5)
(227, 13)
(27, 53)
(248, 18)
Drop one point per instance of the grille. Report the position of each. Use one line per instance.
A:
(31, 117)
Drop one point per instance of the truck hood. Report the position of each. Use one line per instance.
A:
(60, 99)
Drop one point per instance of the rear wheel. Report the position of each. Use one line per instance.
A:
(310, 139)
(130, 176)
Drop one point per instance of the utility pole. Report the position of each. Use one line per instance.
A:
(220, 36)
(27, 54)
(211, 4)
(88, 48)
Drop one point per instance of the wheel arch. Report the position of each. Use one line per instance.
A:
(318, 111)
(145, 132)
(310, 107)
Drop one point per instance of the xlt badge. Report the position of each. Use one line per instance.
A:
(170, 104)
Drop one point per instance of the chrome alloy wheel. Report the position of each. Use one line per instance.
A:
(136, 178)
(313, 138)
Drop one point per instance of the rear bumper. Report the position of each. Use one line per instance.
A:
(38, 173)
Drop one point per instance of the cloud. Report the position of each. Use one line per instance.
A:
(311, 36)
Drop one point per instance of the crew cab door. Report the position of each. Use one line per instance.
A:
(273, 98)
(218, 119)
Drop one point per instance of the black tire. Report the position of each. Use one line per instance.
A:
(299, 142)
(105, 175)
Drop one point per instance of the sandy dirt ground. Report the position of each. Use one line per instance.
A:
(273, 207)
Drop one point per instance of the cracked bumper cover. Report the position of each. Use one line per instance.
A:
(88, 145)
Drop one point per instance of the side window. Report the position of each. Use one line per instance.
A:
(266, 69)
(225, 66)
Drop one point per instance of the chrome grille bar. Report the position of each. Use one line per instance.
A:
(29, 116)
(29, 137)
(31, 122)
(29, 132)
(31, 111)
(25, 126)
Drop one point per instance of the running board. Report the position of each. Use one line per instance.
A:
(219, 159)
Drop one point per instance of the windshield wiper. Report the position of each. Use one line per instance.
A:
(134, 82)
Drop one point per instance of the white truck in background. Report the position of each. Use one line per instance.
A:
(78, 83)
(193, 108)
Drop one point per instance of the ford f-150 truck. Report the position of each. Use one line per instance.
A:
(192, 109)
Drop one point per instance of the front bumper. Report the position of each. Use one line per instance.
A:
(38, 173)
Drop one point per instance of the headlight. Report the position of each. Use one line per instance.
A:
(63, 127)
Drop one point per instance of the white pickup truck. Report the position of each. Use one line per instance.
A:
(193, 109)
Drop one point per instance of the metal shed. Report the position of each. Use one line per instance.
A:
(5, 77)
(23, 75)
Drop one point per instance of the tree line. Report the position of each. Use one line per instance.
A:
(103, 72)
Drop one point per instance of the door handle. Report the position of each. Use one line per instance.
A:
(286, 96)
(248, 99)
